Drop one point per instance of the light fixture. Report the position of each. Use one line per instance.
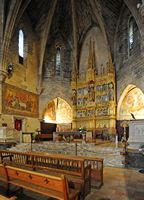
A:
(138, 5)
(9, 70)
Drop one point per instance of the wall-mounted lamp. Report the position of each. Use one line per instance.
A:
(10, 70)
(7, 73)
(140, 7)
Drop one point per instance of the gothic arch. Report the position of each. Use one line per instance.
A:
(57, 110)
(131, 104)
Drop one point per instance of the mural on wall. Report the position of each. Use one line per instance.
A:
(133, 104)
(50, 112)
(58, 111)
(18, 101)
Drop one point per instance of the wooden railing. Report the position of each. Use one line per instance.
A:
(73, 167)
(96, 171)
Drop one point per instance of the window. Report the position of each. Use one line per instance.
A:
(58, 60)
(21, 46)
(132, 36)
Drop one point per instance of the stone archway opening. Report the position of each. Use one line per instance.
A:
(131, 104)
(57, 111)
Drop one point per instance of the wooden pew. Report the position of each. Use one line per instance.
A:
(45, 160)
(6, 198)
(73, 167)
(52, 186)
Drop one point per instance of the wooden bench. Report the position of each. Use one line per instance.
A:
(52, 186)
(47, 161)
(6, 198)
(73, 167)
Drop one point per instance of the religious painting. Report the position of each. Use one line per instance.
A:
(58, 111)
(85, 100)
(80, 102)
(104, 87)
(133, 105)
(98, 99)
(104, 98)
(63, 111)
(80, 91)
(85, 91)
(98, 87)
(91, 91)
(74, 97)
(111, 91)
(91, 113)
(18, 101)
(50, 112)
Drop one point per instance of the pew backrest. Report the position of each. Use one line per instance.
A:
(6, 198)
(74, 165)
(53, 186)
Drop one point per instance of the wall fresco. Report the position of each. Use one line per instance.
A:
(133, 103)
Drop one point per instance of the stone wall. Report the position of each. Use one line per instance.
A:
(56, 85)
(24, 75)
(129, 67)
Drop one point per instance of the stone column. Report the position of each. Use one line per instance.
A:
(3, 75)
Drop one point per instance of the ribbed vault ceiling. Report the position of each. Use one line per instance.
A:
(84, 16)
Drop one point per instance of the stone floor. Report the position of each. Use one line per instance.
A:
(104, 149)
(120, 183)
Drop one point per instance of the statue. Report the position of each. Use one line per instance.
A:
(74, 97)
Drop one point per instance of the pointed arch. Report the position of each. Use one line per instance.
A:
(131, 104)
(57, 111)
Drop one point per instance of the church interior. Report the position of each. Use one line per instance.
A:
(72, 99)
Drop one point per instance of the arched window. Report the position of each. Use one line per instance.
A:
(21, 46)
(58, 60)
(132, 35)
